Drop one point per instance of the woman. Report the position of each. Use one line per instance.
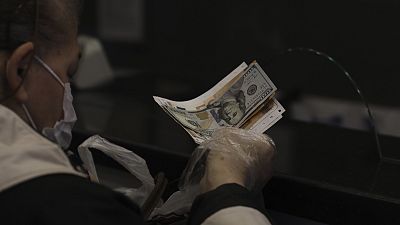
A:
(39, 54)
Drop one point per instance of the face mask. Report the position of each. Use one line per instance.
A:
(61, 133)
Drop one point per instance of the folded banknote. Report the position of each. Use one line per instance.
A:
(244, 99)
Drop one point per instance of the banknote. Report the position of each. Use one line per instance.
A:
(263, 116)
(199, 124)
(267, 119)
(264, 126)
(246, 94)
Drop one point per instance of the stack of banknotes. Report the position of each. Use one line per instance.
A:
(245, 98)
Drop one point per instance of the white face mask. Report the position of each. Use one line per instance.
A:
(61, 133)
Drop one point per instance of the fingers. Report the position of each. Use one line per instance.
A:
(241, 156)
(232, 156)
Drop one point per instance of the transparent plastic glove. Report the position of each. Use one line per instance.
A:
(232, 155)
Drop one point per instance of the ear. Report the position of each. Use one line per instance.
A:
(16, 63)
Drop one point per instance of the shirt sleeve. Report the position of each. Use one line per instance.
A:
(66, 199)
(228, 204)
(237, 215)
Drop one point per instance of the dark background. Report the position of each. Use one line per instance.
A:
(197, 42)
(190, 45)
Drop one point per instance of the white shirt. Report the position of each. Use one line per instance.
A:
(25, 154)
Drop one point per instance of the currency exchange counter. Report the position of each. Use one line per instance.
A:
(323, 173)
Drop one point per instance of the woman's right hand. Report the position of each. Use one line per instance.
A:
(237, 156)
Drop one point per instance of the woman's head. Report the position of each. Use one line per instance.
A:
(49, 23)
(47, 29)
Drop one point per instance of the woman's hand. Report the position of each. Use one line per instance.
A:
(237, 156)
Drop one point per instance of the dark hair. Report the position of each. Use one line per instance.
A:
(45, 22)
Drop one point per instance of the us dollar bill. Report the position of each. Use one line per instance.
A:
(268, 114)
(232, 102)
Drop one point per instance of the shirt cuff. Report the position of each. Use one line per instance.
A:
(225, 196)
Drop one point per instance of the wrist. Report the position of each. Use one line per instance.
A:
(207, 185)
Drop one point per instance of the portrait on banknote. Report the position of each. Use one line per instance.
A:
(231, 107)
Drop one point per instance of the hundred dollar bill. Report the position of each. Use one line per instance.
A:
(267, 113)
(232, 102)
(266, 117)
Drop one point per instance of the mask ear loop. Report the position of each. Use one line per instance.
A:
(51, 71)
(29, 116)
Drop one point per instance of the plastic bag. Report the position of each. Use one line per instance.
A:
(130, 161)
(246, 155)
(178, 204)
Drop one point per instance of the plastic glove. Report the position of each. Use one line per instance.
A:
(232, 155)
